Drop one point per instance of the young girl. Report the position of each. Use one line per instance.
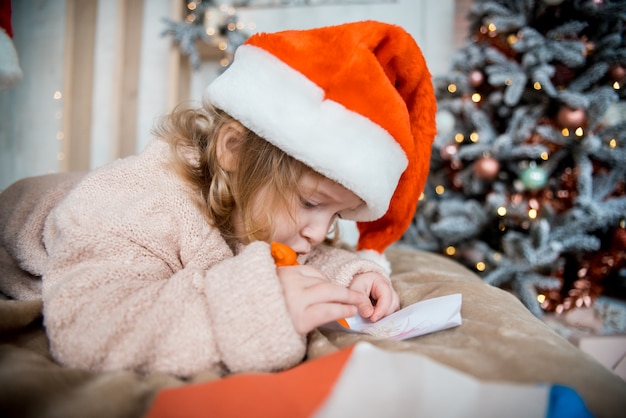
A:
(161, 261)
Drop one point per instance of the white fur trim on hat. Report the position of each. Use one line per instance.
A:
(287, 109)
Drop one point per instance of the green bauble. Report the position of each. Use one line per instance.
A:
(534, 177)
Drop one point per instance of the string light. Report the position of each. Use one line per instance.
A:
(544, 156)
(565, 132)
(450, 250)
(612, 143)
(481, 266)
(459, 137)
(440, 189)
(474, 137)
(452, 88)
(508, 81)
(537, 85)
(501, 211)
(532, 213)
(579, 131)
(616, 85)
(422, 196)
(541, 298)
(476, 97)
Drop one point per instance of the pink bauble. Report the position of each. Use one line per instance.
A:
(571, 118)
(448, 151)
(476, 78)
(487, 168)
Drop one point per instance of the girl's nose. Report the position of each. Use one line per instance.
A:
(315, 232)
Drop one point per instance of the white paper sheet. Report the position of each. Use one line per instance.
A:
(420, 318)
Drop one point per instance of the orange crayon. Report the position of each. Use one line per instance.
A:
(283, 255)
(344, 323)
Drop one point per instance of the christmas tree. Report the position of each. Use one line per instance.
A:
(527, 184)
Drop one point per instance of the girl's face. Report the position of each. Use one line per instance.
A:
(314, 209)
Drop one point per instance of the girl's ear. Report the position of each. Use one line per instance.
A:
(228, 140)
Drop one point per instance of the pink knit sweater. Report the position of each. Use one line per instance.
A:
(133, 277)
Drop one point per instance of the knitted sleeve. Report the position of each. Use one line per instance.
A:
(341, 265)
(137, 311)
(253, 329)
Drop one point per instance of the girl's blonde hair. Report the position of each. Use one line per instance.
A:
(192, 133)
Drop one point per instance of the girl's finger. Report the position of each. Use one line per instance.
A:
(323, 313)
(331, 293)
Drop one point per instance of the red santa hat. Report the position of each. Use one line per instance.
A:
(355, 102)
(10, 71)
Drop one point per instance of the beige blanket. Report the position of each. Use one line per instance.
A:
(499, 340)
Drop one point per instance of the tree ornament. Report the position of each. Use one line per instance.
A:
(455, 179)
(476, 78)
(617, 72)
(534, 177)
(571, 118)
(487, 168)
(445, 122)
(448, 151)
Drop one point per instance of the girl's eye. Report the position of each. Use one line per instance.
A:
(307, 203)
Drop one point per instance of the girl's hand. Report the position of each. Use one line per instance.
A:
(313, 301)
(376, 288)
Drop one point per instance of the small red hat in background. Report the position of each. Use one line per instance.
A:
(10, 70)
